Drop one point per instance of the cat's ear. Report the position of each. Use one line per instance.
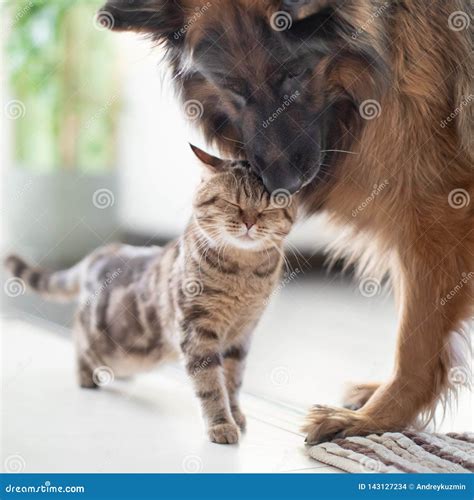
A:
(212, 164)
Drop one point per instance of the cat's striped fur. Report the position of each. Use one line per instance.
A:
(200, 296)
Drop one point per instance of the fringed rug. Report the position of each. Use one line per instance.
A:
(399, 452)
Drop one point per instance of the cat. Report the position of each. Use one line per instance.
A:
(199, 297)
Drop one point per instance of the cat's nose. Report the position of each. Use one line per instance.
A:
(249, 220)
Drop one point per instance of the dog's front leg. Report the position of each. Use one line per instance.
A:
(436, 298)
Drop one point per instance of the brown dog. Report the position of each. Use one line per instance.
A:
(364, 107)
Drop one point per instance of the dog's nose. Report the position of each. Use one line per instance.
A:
(278, 180)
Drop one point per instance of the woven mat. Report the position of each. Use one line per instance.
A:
(399, 452)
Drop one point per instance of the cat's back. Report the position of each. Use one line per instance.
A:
(119, 265)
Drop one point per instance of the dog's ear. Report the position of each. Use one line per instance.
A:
(212, 164)
(161, 19)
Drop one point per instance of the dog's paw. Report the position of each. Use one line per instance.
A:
(356, 396)
(239, 418)
(325, 423)
(224, 434)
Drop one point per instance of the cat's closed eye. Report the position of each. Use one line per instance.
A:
(231, 203)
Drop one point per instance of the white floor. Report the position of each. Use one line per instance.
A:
(317, 335)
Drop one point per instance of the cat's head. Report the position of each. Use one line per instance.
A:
(232, 207)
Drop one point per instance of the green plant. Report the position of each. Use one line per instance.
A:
(62, 69)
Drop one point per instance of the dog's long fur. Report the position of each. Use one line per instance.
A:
(420, 227)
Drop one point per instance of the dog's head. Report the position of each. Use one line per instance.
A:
(278, 82)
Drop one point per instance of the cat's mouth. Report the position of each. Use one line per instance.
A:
(245, 241)
(246, 237)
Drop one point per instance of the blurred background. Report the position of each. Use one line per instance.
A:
(94, 148)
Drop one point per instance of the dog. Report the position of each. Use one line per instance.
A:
(363, 107)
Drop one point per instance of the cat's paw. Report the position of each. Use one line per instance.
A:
(240, 419)
(224, 434)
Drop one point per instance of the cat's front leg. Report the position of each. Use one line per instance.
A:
(204, 364)
(234, 365)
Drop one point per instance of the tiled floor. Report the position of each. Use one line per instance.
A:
(317, 335)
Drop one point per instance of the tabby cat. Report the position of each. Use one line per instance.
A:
(200, 296)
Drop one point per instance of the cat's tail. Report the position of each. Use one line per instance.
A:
(54, 285)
